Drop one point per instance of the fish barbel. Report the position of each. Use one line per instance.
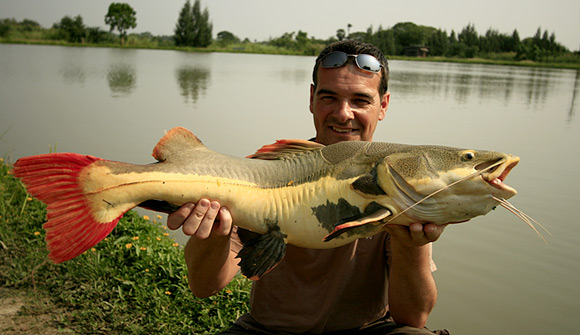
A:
(296, 192)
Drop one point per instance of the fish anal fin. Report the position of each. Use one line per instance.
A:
(261, 254)
(174, 142)
(372, 217)
(285, 148)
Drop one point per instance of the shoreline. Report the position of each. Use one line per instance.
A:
(259, 49)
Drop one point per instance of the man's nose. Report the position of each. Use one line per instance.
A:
(344, 112)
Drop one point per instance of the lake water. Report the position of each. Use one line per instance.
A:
(495, 276)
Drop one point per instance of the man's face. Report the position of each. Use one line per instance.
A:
(346, 104)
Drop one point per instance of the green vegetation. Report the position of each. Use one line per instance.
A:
(193, 27)
(121, 17)
(405, 40)
(133, 282)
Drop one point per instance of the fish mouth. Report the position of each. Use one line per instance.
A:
(498, 172)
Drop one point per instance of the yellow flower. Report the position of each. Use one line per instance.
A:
(93, 249)
(36, 233)
(145, 217)
(135, 238)
(158, 239)
(143, 248)
(128, 245)
(146, 270)
(167, 292)
(165, 234)
(159, 217)
(29, 199)
(164, 227)
(175, 244)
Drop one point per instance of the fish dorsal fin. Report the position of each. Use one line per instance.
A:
(174, 142)
(285, 148)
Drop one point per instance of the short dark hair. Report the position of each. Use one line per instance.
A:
(356, 48)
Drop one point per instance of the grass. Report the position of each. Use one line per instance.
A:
(133, 282)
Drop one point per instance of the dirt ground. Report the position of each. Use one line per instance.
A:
(21, 313)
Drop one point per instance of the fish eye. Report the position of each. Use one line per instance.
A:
(467, 156)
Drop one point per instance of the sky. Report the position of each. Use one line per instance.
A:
(263, 19)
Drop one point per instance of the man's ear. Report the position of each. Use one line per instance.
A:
(312, 91)
(384, 105)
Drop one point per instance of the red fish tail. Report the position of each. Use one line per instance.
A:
(71, 227)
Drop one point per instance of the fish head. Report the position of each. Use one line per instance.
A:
(445, 185)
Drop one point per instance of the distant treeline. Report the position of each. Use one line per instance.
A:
(403, 39)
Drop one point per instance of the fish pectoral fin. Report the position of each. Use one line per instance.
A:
(159, 206)
(261, 254)
(371, 218)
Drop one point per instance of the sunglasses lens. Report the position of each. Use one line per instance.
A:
(334, 59)
(368, 63)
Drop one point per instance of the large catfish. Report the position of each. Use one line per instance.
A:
(298, 192)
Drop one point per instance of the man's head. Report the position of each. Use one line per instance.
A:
(350, 92)
(356, 48)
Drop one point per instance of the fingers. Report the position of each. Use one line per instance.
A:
(201, 219)
(224, 225)
(177, 218)
(200, 222)
(433, 231)
(416, 234)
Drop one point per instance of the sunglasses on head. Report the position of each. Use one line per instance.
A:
(363, 61)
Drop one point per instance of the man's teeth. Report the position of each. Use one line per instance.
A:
(341, 130)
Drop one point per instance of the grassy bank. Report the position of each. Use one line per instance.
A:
(565, 62)
(133, 282)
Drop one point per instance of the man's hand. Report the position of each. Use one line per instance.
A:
(416, 234)
(201, 219)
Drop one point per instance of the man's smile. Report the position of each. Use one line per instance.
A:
(343, 130)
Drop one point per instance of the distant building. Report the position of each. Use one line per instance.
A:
(416, 51)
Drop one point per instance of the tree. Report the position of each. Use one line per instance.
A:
(385, 40)
(193, 27)
(184, 28)
(340, 34)
(72, 30)
(225, 37)
(122, 17)
(202, 27)
(468, 36)
(438, 43)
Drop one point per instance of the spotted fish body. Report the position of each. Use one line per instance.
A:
(297, 192)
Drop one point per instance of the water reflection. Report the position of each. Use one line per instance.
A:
(73, 67)
(573, 103)
(73, 75)
(537, 87)
(193, 82)
(121, 73)
(297, 76)
(466, 81)
(122, 79)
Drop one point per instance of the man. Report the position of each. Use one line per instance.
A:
(378, 285)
